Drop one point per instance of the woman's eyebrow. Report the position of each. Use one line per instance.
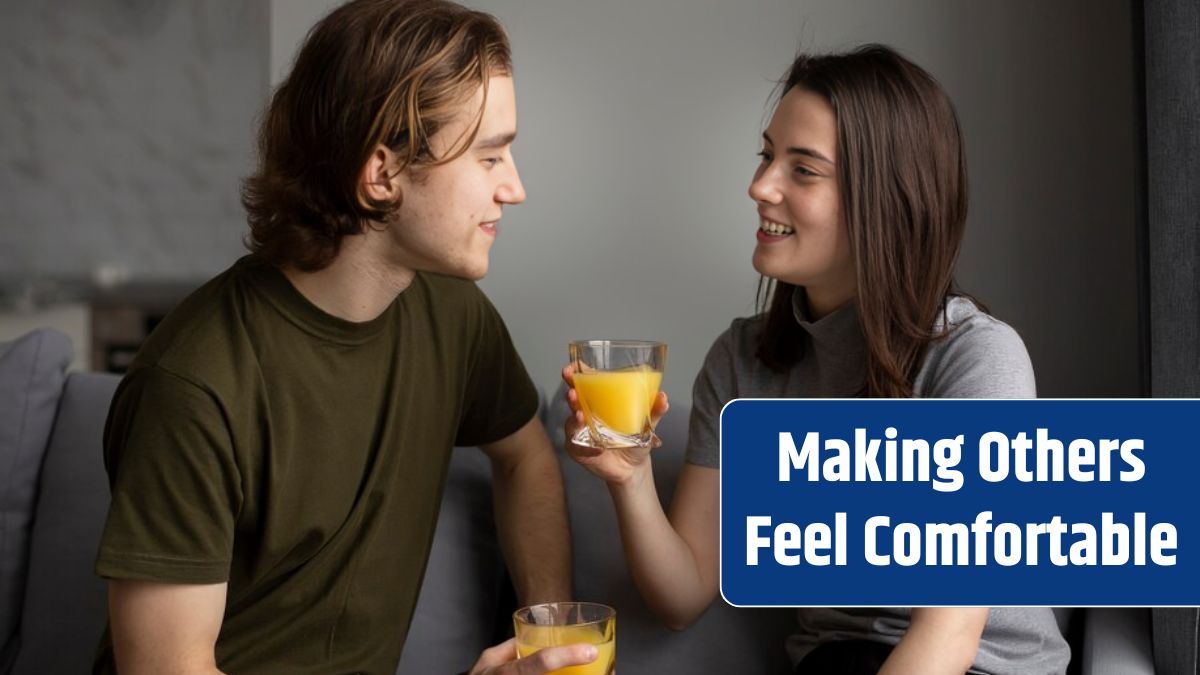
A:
(807, 152)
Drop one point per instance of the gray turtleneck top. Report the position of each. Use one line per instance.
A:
(981, 357)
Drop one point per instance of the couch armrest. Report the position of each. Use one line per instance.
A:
(65, 603)
(1116, 641)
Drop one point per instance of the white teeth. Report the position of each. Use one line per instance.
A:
(775, 228)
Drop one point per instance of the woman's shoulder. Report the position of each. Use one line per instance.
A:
(978, 356)
(971, 328)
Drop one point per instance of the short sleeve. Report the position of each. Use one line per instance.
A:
(981, 358)
(499, 397)
(175, 485)
(715, 385)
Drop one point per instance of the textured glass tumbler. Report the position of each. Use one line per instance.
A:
(554, 624)
(617, 382)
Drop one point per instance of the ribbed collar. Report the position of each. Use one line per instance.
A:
(292, 304)
(836, 348)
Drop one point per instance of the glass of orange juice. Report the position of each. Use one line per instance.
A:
(617, 382)
(554, 624)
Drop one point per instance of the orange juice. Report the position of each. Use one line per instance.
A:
(530, 639)
(619, 399)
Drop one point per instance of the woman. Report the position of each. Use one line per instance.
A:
(862, 201)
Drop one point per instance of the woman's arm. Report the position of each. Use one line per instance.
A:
(981, 358)
(939, 640)
(673, 560)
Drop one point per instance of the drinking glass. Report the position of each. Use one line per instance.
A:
(554, 624)
(617, 382)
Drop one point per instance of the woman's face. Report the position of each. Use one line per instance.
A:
(802, 238)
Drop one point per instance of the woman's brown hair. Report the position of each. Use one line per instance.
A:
(391, 72)
(902, 175)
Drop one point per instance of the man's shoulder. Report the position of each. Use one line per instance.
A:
(203, 333)
(448, 300)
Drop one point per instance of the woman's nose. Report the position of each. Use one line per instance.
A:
(763, 189)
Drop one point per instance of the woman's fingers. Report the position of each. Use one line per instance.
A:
(568, 376)
(572, 425)
(660, 408)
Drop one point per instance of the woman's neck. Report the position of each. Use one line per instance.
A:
(823, 302)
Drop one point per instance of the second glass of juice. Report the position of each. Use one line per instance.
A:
(554, 624)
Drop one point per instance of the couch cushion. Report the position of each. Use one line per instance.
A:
(64, 611)
(32, 370)
(725, 640)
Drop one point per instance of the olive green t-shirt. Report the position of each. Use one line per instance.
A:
(259, 441)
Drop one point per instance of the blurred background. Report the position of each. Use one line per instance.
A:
(128, 124)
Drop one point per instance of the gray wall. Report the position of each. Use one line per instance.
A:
(125, 129)
(638, 125)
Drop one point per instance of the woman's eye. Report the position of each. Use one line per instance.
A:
(490, 162)
(803, 170)
(764, 155)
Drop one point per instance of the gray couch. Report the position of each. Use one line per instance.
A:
(54, 495)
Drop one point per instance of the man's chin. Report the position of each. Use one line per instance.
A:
(468, 272)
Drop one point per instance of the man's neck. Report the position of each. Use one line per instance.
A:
(359, 284)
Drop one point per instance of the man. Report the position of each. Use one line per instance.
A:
(277, 450)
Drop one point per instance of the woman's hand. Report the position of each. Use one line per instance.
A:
(618, 466)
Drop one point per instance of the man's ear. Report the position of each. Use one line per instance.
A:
(381, 180)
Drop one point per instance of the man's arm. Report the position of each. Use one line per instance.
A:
(531, 514)
(165, 629)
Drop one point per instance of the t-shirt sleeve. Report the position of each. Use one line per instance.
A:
(981, 358)
(499, 397)
(715, 385)
(175, 485)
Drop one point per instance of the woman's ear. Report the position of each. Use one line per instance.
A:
(380, 178)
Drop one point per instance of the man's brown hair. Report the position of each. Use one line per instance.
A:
(390, 72)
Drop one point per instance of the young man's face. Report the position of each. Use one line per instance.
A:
(449, 214)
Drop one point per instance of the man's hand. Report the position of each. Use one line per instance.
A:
(618, 466)
(502, 659)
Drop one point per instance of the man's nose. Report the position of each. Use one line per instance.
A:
(511, 191)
